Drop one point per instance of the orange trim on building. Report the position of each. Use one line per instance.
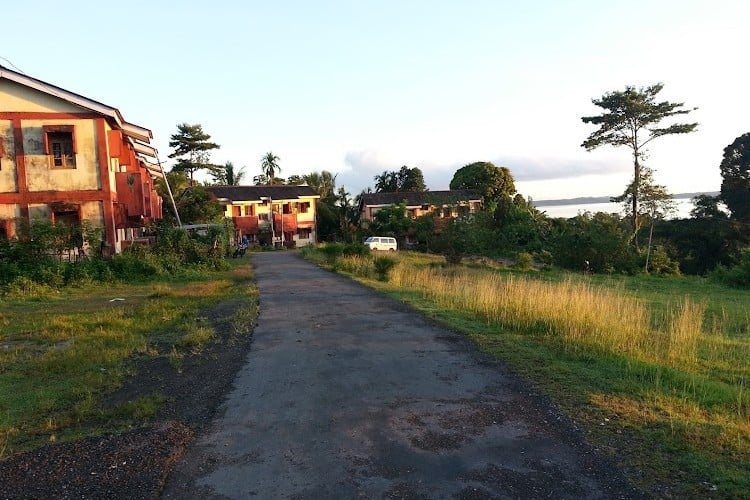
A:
(46, 115)
(33, 197)
(107, 201)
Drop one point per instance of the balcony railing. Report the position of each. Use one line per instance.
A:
(247, 224)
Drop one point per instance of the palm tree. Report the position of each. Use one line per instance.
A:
(227, 175)
(323, 182)
(269, 164)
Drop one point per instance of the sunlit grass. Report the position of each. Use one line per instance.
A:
(657, 369)
(60, 355)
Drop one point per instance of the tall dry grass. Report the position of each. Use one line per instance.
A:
(685, 330)
(578, 313)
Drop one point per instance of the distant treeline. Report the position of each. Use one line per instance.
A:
(585, 200)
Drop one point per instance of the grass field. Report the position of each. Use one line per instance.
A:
(62, 351)
(657, 370)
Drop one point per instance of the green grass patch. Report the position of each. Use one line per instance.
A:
(655, 369)
(63, 351)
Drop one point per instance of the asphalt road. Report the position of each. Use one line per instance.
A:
(346, 394)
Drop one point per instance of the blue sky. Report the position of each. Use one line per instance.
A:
(358, 87)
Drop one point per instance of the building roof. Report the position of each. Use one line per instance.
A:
(257, 193)
(424, 198)
(132, 131)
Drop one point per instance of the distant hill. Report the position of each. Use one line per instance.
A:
(585, 200)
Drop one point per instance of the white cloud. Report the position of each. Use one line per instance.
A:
(527, 168)
(363, 165)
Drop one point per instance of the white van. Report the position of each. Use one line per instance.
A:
(381, 243)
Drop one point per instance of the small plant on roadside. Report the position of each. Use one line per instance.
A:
(175, 359)
(383, 266)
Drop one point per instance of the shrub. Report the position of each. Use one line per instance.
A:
(355, 249)
(546, 258)
(24, 287)
(598, 243)
(524, 261)
(332, 251)
(134, 263)
(383, 266)
(736, 276)
(660, 263)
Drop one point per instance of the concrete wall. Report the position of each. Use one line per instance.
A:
(39, 175)
(8, 182)
(18, 98)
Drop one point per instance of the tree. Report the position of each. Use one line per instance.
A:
(191, 148)
(196, 207)
(491, 182)
(632, 119)
(405, 180)
(707, 207)
(520, 226)
(735, 173)
(348, 215)
(411, 180)
(227, 176)
(269, 165)
(595, 243)
(323, 182)
(655, 202)
(178, 182)
(386, 182)
(392, 221)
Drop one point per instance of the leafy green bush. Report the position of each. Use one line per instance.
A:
(332, 251)
(135, 263)
(660, 262)
(22, 286)
(546, 258)
(38, 256)
(737, 275)
(383, 266)
(524, 261)
(355, 249)
(597, 243)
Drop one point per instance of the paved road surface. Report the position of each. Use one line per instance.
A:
(346, 394)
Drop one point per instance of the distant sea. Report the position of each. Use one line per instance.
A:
(571, 207)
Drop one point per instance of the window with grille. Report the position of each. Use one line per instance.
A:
(60, 146)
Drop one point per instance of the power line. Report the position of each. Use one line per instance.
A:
(13, 65)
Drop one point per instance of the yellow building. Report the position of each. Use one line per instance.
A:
(278, 215)
(68, 158)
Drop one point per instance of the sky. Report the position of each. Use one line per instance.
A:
(360, 87)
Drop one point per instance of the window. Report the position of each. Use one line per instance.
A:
(304, 233)
(59, 146)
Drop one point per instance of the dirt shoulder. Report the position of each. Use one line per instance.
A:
(135, 463)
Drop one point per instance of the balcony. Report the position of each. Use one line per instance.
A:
(247, 224)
